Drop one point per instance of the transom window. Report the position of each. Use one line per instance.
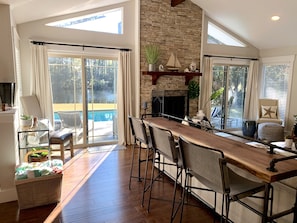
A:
(110, 21)
(218, 36)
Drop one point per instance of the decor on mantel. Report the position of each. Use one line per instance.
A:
(173, 63)
(152, 54)
(193, 66)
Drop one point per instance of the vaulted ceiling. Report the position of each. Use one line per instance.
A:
(248, 19)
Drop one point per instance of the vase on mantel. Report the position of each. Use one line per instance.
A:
(152, 67)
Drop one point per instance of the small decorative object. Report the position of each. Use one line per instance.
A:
(193, 66)
(249, 128)
(33, 137)
(200, 115)
(26, 121)
(194, 89)
(173, 63)
(186, 121)
(161, 67)
(288, 141)
(186, 70)
(152, 54)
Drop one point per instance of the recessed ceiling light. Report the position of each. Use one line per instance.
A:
(275, 18)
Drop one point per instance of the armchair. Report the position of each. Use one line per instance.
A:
(31, 106)
(268, 111)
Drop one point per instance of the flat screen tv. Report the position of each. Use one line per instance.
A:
(7, 93)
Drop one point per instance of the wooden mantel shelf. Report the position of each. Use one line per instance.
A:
(156, 74)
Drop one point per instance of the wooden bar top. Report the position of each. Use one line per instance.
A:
(253, 159)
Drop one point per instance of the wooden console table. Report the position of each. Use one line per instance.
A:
(156, 74)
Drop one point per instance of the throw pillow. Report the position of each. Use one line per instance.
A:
(269, 111)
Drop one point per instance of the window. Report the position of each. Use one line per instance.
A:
(217, 35)
(85, 88)
(276, 79)
(107, 21)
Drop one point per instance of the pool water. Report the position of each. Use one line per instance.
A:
(96, 116)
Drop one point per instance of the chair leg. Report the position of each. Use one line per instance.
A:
(173, 209)
(215, 206)
(145, 187)
(71, 146)
(151, 183)
(132, 164)
(139, 162)
(227, 200)
(185, 190)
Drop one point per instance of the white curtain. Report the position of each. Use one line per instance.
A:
(40, 80)
(125, 100)
(251, 96)
(206, 86)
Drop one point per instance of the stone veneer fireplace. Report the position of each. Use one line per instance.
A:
(171, 102)
(175, 30)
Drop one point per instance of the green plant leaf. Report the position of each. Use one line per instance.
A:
(217, 93)
(194, 89)
(152, 53)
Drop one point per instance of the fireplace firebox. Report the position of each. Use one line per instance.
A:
(170, 102)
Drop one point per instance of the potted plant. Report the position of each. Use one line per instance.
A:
(215, 95)
(26, 121)
(152, 54)
(38, 155)
(194, 89)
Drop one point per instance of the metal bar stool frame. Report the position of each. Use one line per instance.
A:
(163, 143)
(141, 142)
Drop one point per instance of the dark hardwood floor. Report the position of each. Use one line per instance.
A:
(105, 197)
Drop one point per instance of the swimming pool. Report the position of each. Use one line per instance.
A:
(96, 116)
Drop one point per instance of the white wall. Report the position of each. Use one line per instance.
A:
(37, 30)
(7, 73)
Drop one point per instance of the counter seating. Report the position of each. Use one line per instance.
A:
(163, 143)
(211, 168)
(141, 141)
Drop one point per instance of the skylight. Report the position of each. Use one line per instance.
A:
(219, 36)
(107, 21)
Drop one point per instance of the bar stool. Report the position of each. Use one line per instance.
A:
(163, 143)
(61, 138)
(211, 168)
(141, 141)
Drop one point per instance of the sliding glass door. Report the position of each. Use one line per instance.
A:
(84, 97)
(227, 110)
(101, 107)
